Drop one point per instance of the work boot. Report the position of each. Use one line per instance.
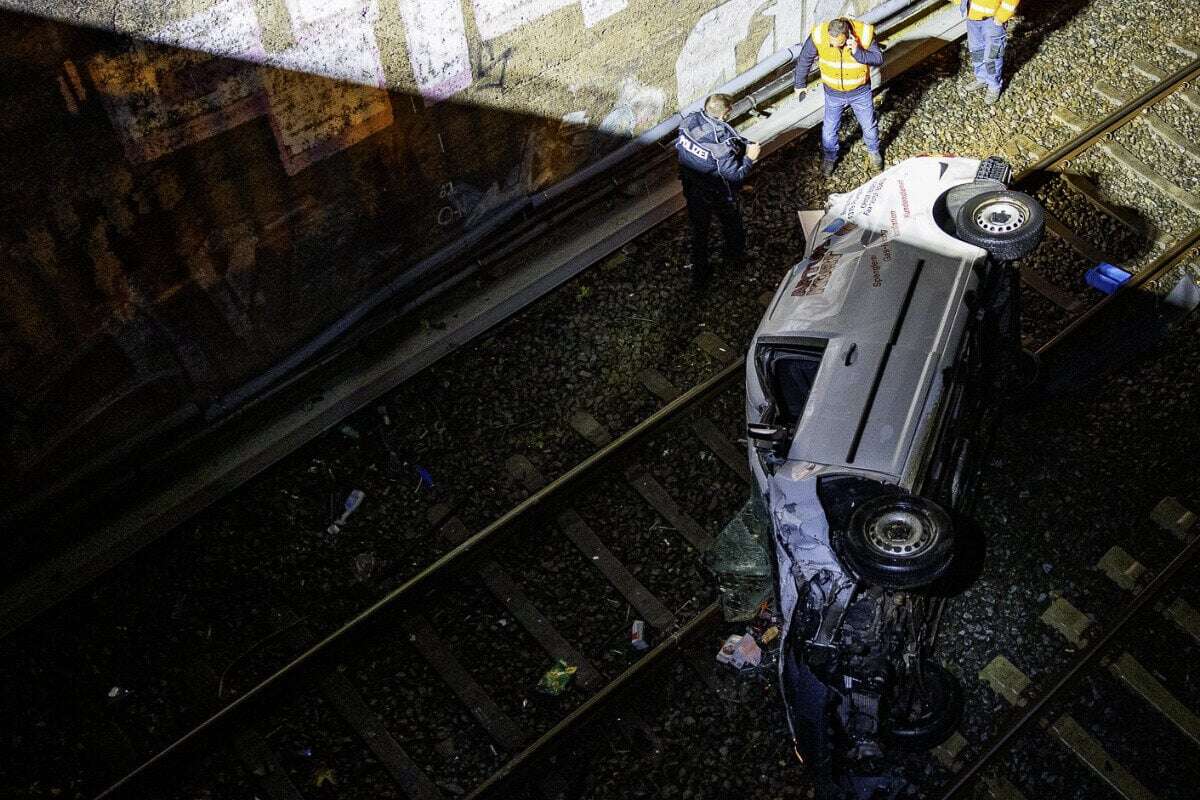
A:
(991, 97)
(975, 86)
(875, 161)
(827, 165)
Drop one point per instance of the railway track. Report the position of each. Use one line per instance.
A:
(1112, 647)
(1051, 173)
(500, 727)
(1062, 171)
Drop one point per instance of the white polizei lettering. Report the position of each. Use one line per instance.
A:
(982, 9)
(437, 47)
(692, 147)
(498, 17)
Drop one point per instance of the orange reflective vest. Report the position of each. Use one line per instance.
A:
(839, 70)
(1002, 10)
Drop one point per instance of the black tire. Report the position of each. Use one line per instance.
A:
(924, 708)
(897, 541)
(1007, 224)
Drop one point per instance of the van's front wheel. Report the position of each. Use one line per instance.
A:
(897, 541)
(1006, 223)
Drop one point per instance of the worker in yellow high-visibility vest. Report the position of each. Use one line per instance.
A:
(845, 50)
(986, 40)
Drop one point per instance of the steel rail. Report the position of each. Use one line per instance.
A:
(411, 589)
(1034, 709)
(1118, 119)
(597, 704)
(1155, 269)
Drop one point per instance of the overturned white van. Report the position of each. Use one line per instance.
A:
(870, 384)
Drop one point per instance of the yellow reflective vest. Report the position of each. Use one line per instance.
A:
(838, 68)
(1002, 10)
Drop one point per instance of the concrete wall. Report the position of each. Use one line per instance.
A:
(195, 188)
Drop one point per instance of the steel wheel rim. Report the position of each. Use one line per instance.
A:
(901, 533)
(1001, 215)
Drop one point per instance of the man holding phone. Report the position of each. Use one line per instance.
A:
(713, 161)
(845, 50)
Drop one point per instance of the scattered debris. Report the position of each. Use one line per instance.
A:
(637, 635)
(323, 776)
(383, 414)
(1106, 277)
(364, 565)
(349, 432)
(353, 501)
(118, 691)
(740, 650)
(556, 679)
(424, 479)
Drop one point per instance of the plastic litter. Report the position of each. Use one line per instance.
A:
(383, 413)
(1106, 277)
(557, 678)
(637, 635)
(348, 432)
(353, 501)
(424, 479)
(364, 565)
(118, 691)
(740, 651)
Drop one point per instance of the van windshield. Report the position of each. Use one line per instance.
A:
(790, 373)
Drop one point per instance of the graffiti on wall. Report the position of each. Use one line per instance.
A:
(709, 55)
(498, 17)
(437, 47)
(209, 80)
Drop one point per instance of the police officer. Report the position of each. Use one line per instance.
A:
(986, 40)
(713, 162)
(845, 50)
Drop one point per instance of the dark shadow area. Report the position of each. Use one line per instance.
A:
(178, 225)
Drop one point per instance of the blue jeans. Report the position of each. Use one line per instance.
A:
(859, 101)
(986, 41)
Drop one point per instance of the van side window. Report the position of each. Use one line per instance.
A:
(790, 373)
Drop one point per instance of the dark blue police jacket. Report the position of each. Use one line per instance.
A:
(712, 153)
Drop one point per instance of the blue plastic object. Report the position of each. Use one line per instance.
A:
(1106, 277)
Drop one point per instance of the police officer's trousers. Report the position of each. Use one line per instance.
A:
(706, 196)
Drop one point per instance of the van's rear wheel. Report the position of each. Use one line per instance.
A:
(1006, 223)
(897, 541)
(923, 707)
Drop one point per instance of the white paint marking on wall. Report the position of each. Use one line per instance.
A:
(341, 47)
(595, 11)
(437, 47)
(497, 17)
(308, 12)
(709, 56)
(230, 28)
